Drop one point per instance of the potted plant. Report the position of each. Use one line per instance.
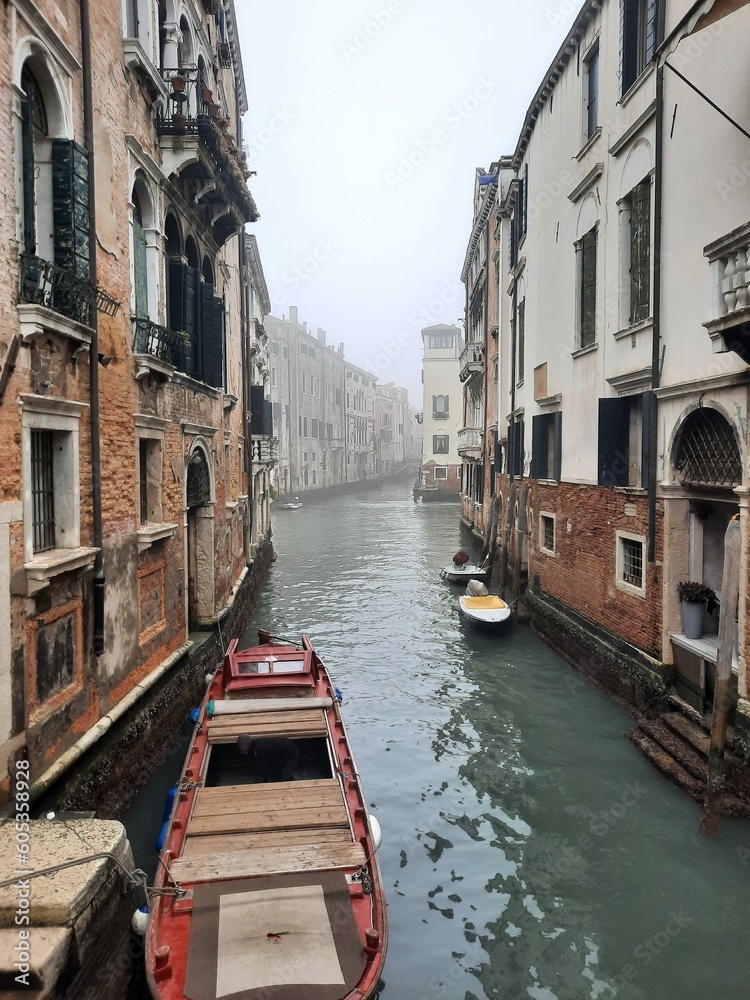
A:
(207, 95)
(695, 598)
(178, 83)
(179, 122)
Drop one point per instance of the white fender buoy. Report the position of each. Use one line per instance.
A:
(377, 833)
(139, 921)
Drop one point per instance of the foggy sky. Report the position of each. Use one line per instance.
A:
(367, 119)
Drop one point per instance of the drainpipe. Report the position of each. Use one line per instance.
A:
(656, 341)
(96, 463)
(246, 427)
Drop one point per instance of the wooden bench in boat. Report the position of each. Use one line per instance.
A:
(267, 861)
(245, 830)
(289, 723)
(281, 805)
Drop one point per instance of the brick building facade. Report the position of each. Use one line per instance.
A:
(123, 353)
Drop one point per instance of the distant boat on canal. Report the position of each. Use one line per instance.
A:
(269, 877)
(290, 505)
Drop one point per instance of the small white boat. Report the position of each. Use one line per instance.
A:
(292, 505)
(482, 609)
(458, 574)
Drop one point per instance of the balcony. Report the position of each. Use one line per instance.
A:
(157, 350)
(265, 452)
(729, 262)
(471, 361)
(200, 151)
(470, 441)
(52, 298)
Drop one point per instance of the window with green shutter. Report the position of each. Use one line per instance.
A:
(70, 207)
(640, 251)
(587, 289)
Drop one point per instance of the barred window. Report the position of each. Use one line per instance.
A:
(632, 562)
(547, 531)
(43, 490)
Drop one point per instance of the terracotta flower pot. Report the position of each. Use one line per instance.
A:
(207, 95)
(178, 84)
(179, 123)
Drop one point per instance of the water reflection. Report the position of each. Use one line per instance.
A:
(529, 850)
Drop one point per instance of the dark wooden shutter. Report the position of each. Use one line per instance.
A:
(515, 438)
(614, 436)
(521, 347)
(648, 415)
(628, 44)
(557, 452)
(181, 311)
(29, 172)
(592, 110)
(539, 446)
(70, 207)
(211, 336)
(140, 271)
(652, 29)
(640, 251)
(588, 289)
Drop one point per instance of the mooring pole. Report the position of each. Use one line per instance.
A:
(497, 506)
(730, 587)
(506, 537)
(521, 531)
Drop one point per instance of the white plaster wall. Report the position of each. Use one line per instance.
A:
(440, 368)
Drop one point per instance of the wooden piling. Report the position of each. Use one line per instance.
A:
(497, 507)
(521, 532)
(730, 587)
(487, 532)
(506, 538)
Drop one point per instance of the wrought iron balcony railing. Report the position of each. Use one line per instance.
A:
(45, 284)
(157, 341)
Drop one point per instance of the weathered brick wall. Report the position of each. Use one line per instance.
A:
(582, 572)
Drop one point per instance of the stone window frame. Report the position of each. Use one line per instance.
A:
(545, 516)
(442, 469)
(620, 583)
(63, 418)
(152, 429)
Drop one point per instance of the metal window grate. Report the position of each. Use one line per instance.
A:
(548, 526)
(632, 562)
(707, 451)
(43, 490)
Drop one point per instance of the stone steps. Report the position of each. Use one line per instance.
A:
(679, 749)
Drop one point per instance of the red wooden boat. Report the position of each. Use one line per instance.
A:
(268, 889)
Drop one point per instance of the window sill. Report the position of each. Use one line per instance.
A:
(137, 60)
(591, 141)
(147, 534)
(631, 491)
(707, 647)
(548, 482)
(629, 588)
(44, 566)
(634, 328)
(147, 364)
(547, 552)
(637, 84)
(549, 400)
(584, 350)
(39, 321)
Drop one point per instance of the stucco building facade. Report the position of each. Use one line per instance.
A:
(442, 409)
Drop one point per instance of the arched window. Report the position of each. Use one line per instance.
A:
(198, 488)
(34, 135)
(440, 406)
(706, 451)
(140, 264)
(207, 270)
(172, 237)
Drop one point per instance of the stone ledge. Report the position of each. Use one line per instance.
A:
(48, 949)
(59, 899)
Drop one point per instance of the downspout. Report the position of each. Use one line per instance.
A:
(96, 461)
(656, 341)
(246, 419)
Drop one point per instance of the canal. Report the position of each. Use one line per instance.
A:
(529, 850)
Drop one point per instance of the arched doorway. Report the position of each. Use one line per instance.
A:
(200, 539)
(706, 464)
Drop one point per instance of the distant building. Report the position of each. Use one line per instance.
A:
(442, 409)
(361, 446)
(307, 396)
(391, 410)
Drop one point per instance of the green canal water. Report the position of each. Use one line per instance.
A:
(529, 850)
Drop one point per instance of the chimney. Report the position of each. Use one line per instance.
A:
(322, 336)
(293, 315)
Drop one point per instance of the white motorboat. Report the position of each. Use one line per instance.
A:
(460, 574)
(292, 505)
(482, 609)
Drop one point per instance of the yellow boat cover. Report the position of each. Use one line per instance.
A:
(491, 603)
